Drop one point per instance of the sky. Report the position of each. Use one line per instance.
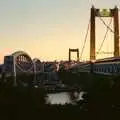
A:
(46, 29)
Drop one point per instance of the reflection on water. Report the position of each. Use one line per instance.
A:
(58, 98)
(62, 98)
(80, 95)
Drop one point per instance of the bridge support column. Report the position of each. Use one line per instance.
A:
(14, 72)
(116, 32)
(92, 34)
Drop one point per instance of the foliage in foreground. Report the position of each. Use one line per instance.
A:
(101, 103)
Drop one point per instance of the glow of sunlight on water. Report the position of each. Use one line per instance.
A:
(58, 98)
(61, 98)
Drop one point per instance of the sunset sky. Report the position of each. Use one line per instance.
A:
(46, 29)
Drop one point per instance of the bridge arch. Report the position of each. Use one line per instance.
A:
(18, 64)
(22, 61)
(38, 65)
(17, 53)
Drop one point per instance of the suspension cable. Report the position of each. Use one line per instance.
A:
(108, 26)
(111, 30)
(91, 2)
(85, 40)
(104, 37)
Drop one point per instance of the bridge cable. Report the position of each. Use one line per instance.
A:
(91, 2)
(107, 26)
(85, 40)
(104, 37)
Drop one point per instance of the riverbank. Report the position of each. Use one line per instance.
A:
(29, 103)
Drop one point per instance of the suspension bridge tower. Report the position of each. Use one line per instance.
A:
(104, 13)
(73, 50)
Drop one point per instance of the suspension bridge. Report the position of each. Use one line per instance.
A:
(91, 29)
(20, 62)
(105, 66)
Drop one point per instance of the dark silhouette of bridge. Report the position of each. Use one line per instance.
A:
(20, 62)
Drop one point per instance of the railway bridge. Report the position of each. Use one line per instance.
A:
(20, 64)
